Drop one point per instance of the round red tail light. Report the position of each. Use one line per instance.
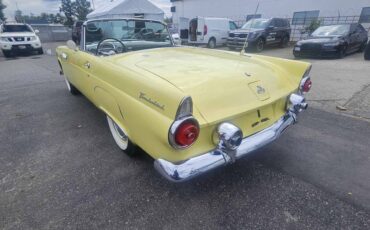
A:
(187, 133)
(307, 85)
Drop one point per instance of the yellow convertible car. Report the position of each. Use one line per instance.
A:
(191, 109)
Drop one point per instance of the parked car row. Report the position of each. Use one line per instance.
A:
(256, 34)
(19, 38)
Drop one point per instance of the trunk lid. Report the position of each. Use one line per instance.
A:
(221, 84)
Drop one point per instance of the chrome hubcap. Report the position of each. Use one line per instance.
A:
(120, 133)
(68, 85)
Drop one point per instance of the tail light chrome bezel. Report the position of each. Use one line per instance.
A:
(306, 77)
(184, 114)
(174, 128)
(302, 89)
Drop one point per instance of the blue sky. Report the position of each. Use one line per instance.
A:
(52, 6)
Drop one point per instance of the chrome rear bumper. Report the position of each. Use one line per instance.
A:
(218, 157)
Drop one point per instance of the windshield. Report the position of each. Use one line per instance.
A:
(331, 30)
(256, 24)
(16, 28)
(132, 34)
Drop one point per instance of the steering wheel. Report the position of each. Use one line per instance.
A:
(107, 46)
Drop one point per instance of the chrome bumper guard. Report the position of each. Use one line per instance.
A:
(220, 156)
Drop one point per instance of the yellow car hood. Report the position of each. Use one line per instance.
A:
(221, 84)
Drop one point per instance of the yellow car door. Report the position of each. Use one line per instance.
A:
(73, 68)
(94, 85)
(83, 68)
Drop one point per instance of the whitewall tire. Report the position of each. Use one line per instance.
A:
(121, 138)
(73, 90)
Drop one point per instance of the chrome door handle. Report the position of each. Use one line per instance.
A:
(87, 65)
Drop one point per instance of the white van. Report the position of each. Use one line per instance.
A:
(208, 31)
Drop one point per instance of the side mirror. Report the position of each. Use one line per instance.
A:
(72, 45)
(37, 31)
(271, 27)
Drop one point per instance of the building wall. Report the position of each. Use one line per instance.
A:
(238, 9)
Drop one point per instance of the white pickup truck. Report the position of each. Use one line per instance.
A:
(19, 37)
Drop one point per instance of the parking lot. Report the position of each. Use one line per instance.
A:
(60, 167)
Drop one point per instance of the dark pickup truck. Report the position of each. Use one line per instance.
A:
(76, 31)
(260, 32)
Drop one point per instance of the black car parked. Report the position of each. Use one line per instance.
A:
(367, 52)
(262, 32)
(332, 41)
(76, 31)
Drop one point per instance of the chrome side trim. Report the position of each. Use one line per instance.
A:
(180, 113)
(218, 157)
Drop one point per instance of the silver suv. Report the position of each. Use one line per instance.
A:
(19, 37)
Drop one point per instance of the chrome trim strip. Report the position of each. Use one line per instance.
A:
(198, 165)
(188, 113)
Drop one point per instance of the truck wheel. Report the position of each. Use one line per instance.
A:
(284, 42)
(211, 43)
(121, 138)
(73, 90)
(362, 47)
(7, 53)
(260, 45)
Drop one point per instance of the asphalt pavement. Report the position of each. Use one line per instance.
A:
(60, 169)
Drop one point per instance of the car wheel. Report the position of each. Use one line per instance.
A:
(342, 53)
(260, 45)
(211, 43)
(362, 47)
(121, 138)
(40, 51)
(367, 52)
(7, 53)
(73, 90)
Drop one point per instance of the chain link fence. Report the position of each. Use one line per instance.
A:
(53, 33)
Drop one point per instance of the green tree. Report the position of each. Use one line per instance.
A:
(67, 8)
(81, 8)
(59, 19)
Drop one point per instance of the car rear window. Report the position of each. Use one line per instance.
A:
(16, 28)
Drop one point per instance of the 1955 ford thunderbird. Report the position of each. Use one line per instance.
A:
(191, 109)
